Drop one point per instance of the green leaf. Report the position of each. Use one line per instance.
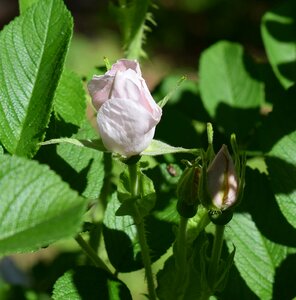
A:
(255, 255)
(281, 162)
(89, 283)
(193, 284)
(32, 54)
(160, 148)
(24, 4)
(278, 139)
(37, 207)
(85, 161)
(69, 100)
(230, 91)
(132, 17)
(88, 143)
(146, 199)
(263, 240)
(278, 32)
(120, 237)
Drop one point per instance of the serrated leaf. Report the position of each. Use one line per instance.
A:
(256, 257)
(278, 32)
(32, 54)
(37, 207)
(229, 89)
(85, 161)
(160, 148)
(89, 283)
(132, 17)
(69, 100)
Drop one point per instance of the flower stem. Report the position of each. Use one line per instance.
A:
(181, 258)
(216, 254)
(96, 260)
(139, 222)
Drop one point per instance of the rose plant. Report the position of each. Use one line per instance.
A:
(127, 113)
(129, 195)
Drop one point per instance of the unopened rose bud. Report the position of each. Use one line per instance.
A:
(187, 192)
(222, 181)
(127, 113)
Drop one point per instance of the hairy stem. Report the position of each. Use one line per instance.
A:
(139, 222)
(89, 251)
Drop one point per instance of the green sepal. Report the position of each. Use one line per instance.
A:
(221, 217)
(145, 201)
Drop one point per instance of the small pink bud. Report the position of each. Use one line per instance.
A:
(127, 113)
(222, 181)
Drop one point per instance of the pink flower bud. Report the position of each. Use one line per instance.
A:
(127, 113)
(222, 181)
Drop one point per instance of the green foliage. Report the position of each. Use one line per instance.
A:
(230, 90)
(89, 283)
(37, 207)
(281, 159)
(45, 200)
(121, 239)
(24, 4)
(132, 16)
(278, 33)
(69, 101)
(33, 49)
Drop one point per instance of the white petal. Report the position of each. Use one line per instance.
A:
(99, 89)
(131, 86)
(125, 126)
(222, 180)
(123, 65)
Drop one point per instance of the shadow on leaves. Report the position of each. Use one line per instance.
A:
(284, 286)
(260, 202)
(93, 284)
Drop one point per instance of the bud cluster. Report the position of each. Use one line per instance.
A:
(216, 183)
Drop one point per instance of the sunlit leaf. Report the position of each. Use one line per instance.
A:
(32, 54)
(37, 207)
(229, 86)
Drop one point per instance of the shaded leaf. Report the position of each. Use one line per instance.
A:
(85, 161)
(89, 283)
(121, 241)
(278, 32)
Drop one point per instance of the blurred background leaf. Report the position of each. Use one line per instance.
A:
(278, 33)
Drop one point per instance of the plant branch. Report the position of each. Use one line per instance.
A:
(216, 254)
(139, 222)
(89, 251)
